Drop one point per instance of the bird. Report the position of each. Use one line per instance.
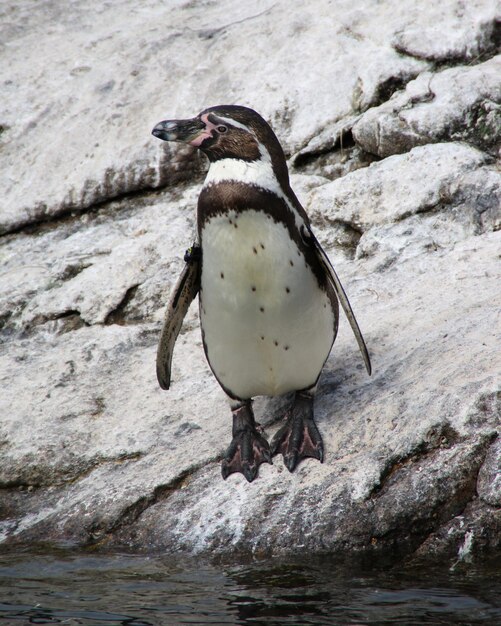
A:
(268, 294)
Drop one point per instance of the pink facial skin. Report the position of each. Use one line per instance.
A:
(207, 132)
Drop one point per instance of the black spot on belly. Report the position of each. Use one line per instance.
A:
(253, 288)
(254, 249)
(286, 347)
(262, 337)
(276, 342)
(262, 245)
(287, 290)
(291, 262)
(222, 274)
(261, 308)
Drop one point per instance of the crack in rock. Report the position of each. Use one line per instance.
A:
(333, 158)
(130, 515)
(412, 526)
(118, 315)
(474, 532)
(489, 476)
(113, 186)
(443, 436)
(38, 476)
(60, 323)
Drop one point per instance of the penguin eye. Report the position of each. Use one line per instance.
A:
(221, 129)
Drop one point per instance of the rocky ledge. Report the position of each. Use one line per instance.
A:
(391, 120)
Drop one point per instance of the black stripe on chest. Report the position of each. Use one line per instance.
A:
(219, 199)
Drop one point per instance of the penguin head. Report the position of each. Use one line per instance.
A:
(226, 132)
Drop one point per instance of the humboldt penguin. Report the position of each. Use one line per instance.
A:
(268, 294)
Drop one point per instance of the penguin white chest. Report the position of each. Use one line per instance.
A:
(267, 325)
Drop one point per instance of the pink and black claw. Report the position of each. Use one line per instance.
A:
(300, 437)
(248, 448)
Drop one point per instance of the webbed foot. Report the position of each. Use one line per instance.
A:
(248, 448)
(299, 438)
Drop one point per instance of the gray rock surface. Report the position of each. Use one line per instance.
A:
(461, 103)
(390, 117)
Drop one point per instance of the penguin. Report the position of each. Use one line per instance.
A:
(268, 294)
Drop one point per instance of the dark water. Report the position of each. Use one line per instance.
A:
(140, 591)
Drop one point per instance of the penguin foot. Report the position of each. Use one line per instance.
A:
(300, 437)
(248, 448)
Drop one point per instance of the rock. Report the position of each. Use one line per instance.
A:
(472, 32)
(459, 103)
(489, 477)
(391, 191)
(396, 212)
(82, 118)
(404, 192)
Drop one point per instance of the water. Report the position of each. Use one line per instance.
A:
(109, 590)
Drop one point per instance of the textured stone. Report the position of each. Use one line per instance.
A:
(81, 124)
(459, 103)
(399, 210)
(472, 31)
(489, 477)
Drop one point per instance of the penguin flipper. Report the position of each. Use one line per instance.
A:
(343, 299)
(186, 289)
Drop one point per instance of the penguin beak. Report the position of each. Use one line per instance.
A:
(185, 131)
